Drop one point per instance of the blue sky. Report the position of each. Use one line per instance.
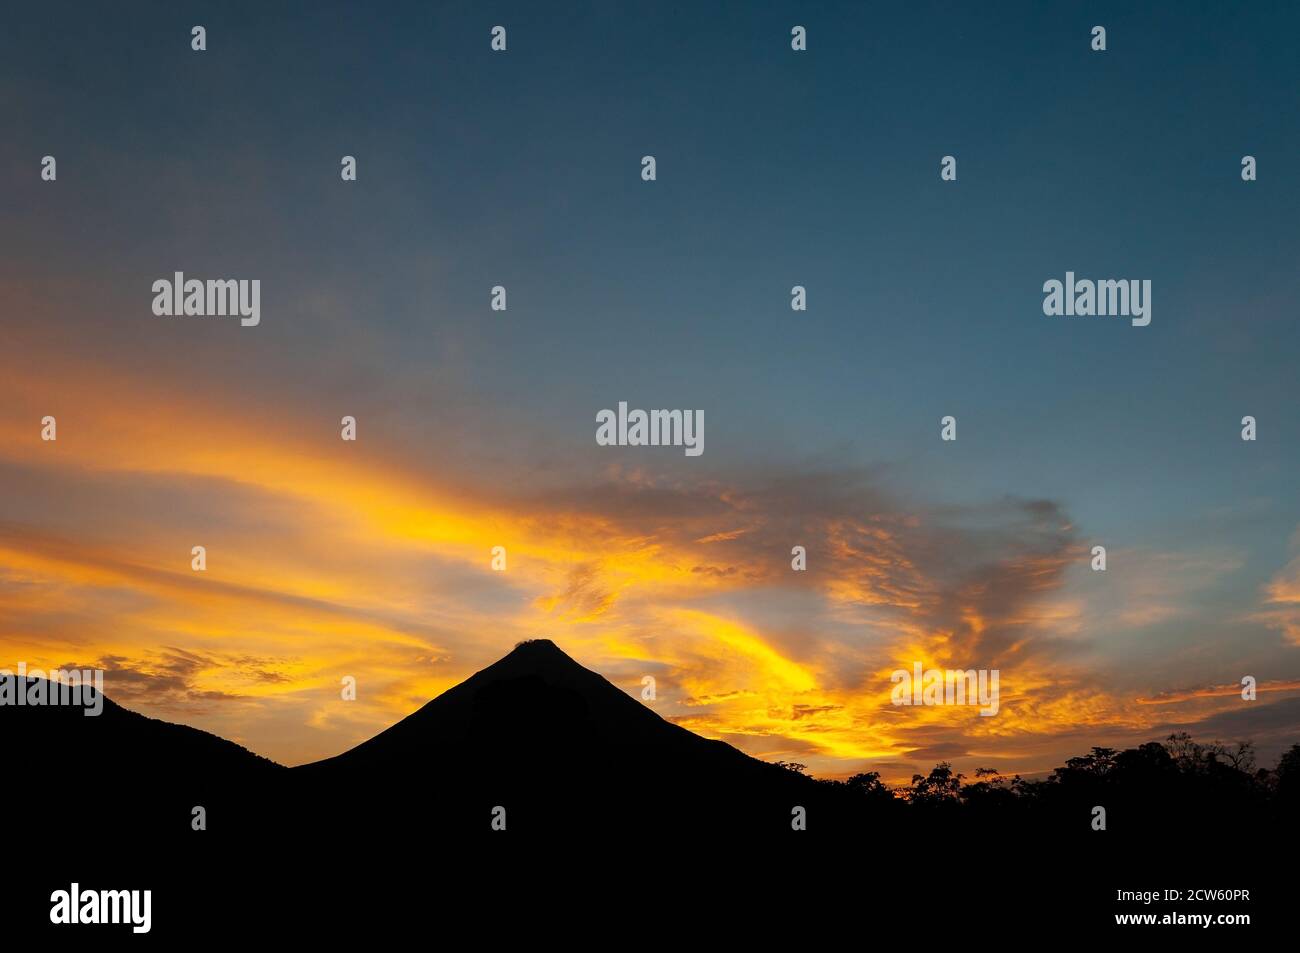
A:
(774, 169)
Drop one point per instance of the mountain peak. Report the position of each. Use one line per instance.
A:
(535, 646)
(534, 656)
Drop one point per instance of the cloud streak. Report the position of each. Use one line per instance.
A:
(326, 561)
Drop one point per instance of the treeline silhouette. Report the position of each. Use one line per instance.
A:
(565, 754)
(1177, 786)
(600, 792)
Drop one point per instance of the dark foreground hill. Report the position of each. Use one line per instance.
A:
(119, 774)
(534, 741)
(606, 806)
(540, 746)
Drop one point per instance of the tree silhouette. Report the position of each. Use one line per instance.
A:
(1170, 787)
(941, 786)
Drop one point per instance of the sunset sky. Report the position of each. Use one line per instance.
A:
(477, 428)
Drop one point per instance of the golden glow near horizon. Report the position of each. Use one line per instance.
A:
(324, 561)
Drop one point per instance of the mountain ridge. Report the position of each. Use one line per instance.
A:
(535, 734)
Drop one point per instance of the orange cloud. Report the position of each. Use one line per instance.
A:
(329, 559)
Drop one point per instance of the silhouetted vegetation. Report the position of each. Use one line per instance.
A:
(566, 753)
(1177, 785)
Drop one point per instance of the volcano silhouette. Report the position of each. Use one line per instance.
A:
(535, 739)
(592, 783)
(535, 704)
(559, 748)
